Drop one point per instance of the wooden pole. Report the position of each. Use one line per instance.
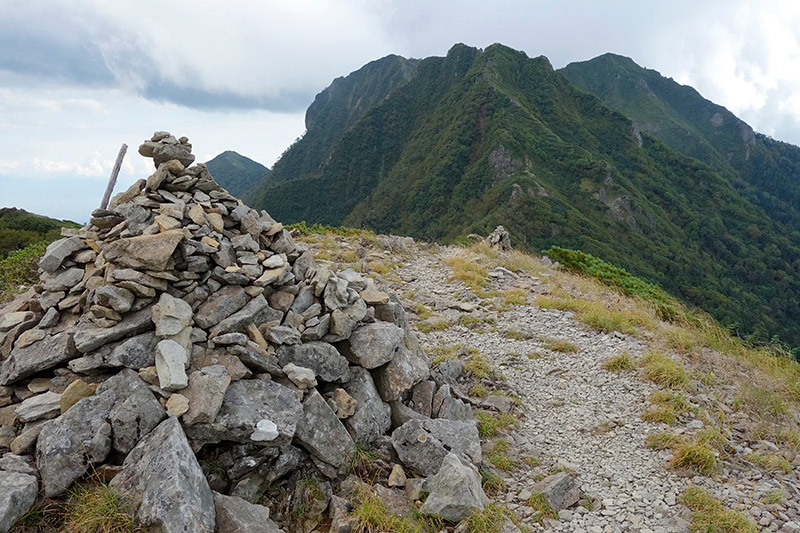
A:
(113, 179)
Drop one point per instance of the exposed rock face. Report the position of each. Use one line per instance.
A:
(422, 444)
(162, 481)
(17, 496)
(237, 515)
(180, 296)
(455, 491)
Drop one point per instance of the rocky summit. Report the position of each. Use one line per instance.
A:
(183, 346)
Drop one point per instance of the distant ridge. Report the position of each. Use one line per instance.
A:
(486, 137)
(237, 173)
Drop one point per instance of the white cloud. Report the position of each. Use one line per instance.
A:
(7, 167)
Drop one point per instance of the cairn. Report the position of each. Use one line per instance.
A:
(181, 327)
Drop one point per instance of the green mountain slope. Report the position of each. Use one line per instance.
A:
(19, 228)
(336, 109)
(237, 173)
(480, 138)
(766, 171)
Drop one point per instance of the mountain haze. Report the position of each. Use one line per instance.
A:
(486, 137)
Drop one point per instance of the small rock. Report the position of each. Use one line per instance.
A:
(171, 359)
(302, 377)
(177, 405)
(397, 478)
(76, 391)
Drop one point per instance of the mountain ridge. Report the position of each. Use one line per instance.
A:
(509, 140)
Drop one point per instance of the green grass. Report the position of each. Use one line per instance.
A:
(479, 391)
(619, 363)
(499, 457)
(771, 462)
(662, 440)
(492, 483)
(427, 327)
(696, 456)
(663, 414)
(19, 268)
(515, 334)
(489, 424)
(490, 519)
(469, 272)
(302, 228)
(710, 515)
(479, 367)
(580, 262)
(660, 368)
(561, 346)
(87, 508)
(542, 507)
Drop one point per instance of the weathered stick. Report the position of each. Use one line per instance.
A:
(113, 179)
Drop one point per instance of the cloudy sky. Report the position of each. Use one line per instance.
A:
(77, 79)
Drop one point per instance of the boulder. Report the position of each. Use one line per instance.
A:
(162, 482)
(422, 444)
(135, 410)
(68, 445)
(326, 362)
(17, 495)
(240, 516)
(372, 418)
(372, 345)
(45, 354)
(405, 370)
(321, 432)
(455, 491)
(561, 490)
(245, 405)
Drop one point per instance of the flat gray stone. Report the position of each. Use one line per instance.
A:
(58, 251)
(372, 345)
(256, 311)
(240, 516)
(88, 338)
(455, 491)
(163, 483)
(61, 280)
(422, 443)
(37, 357)
(145, 252)
(326, 362)
(246, 403)
(321, 432)
(47, 405)
(372, 418)
(17, 495)
(220, 305)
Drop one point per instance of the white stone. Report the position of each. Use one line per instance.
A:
(171, 360)
(266, 431)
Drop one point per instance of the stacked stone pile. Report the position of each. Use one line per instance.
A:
(182, 327)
